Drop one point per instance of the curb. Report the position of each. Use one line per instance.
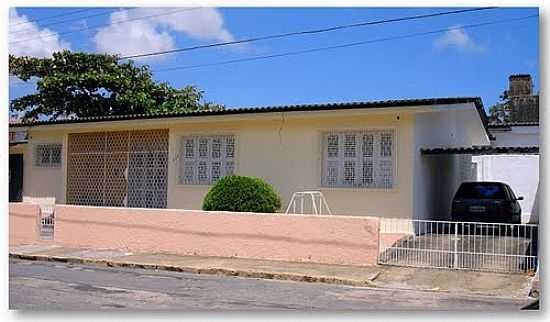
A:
(194, 270)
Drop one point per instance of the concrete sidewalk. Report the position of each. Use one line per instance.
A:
(436, 280)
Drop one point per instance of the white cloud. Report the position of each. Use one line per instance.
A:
(200, 23)
(131, 37)
(154, 33)
(458, 38)
(37, 42)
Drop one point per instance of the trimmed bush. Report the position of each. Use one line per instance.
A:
(239, 193)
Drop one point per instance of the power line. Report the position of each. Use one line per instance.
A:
(315, 49)
(301, 32)
(305, 32)
(299, 52)
(50, 17)
(63, 21)
(54, 34)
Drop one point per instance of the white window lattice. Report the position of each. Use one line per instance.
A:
(47, 155)
(205, 159)
(358, 159)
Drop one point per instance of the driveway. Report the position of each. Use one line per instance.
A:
(488, 252)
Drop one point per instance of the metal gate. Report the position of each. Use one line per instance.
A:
(458, 245)
(123, 168)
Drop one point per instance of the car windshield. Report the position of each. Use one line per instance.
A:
(481, 190)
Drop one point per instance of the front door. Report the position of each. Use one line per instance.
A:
(16, 177)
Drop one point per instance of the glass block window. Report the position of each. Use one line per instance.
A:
(47, 155)
(205, 159)
(363, 159)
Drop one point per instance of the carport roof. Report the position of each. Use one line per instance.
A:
(510, 124)
(482, 150)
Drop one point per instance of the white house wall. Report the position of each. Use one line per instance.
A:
(282, 148)
(437, 177)
(285, 150)
(43, 181)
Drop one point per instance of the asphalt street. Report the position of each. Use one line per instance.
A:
(38, 285)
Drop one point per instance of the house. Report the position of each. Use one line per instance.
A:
(519, 170)
(368, 158)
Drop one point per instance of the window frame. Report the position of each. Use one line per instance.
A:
(322, 182)
(210, 136)
(37, 159)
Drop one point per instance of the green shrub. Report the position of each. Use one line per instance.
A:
(238, 193)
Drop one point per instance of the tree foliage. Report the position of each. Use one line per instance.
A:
(80, 84)
(500, 112)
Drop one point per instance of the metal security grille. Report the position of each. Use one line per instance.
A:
(205, 159)
(147, 169)
(458, 245)
(124, 168)
(358, 159)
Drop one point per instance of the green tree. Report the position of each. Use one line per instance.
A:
(499, 113)
(80, 84)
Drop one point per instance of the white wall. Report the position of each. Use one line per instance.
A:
(437, 177)
(520, 172)
(517, 136)
(43, 181)
(282, 148)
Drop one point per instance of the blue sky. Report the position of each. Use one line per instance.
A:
(460, 62)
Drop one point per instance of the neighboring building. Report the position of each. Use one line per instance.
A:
(520, 171)
(524, 104)
(366, 157)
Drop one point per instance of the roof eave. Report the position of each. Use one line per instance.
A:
(271, 109)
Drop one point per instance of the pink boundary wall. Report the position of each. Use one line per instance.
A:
(299, 238)
(24, 223)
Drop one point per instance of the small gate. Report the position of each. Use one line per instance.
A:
(47, 215)
(458, 245)
(47, 222)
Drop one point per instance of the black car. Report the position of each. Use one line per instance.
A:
(492, 202)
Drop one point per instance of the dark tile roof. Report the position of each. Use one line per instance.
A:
(519, 76)
(482, 150)
(267, 109)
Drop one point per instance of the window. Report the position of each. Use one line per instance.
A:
(47, 155)
(481, 190)
(205, 159)
(361, 159)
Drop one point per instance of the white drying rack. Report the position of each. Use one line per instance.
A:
(317, 198)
